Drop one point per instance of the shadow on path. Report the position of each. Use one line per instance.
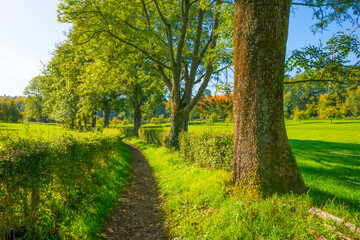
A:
(138, 214)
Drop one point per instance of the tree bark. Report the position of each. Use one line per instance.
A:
(178, 123)
(107, 110)
(263, 159)
(137, 119)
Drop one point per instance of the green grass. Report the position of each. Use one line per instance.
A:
(105, 190)
(319, 148)
(202, 204)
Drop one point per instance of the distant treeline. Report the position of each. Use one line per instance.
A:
(11, 109)
(325, 100)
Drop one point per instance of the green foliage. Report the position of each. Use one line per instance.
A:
(154, 135)
(208, 149)
(9, 112)
(35, 104)
(63, 187)
(158, 120)
(100, 121)
(353, 100)
(213, 118)
(127, 121)
(299, 115)
(221, 105)
(331, 113)
(229, 119)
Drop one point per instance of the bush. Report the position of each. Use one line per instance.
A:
(127, 131)
(59, 188)
(154, 135)
(100, 121)
(209, 149)
(115, 121)
(158, 120)
(213, 119)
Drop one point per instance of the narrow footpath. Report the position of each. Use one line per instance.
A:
(138, 214)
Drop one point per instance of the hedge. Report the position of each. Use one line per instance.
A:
(59, 188)
(209, 149)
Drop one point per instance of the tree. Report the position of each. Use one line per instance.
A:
(35, 99)
(353, 100)
(262, 155)
(62, 81)
(299, 114)
(222, 105)
(180, 37)
(9, 112)
(331, 112)
(325, 101)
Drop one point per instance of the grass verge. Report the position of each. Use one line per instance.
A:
(202, 204)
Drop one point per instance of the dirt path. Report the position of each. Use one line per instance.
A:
(138, 214)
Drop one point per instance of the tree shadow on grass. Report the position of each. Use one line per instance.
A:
(334, 122)
(328, 172)
(304, 122)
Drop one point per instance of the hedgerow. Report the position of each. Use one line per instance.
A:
(207, 149)
(59, 188)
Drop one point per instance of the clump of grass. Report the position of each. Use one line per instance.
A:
(203, 204)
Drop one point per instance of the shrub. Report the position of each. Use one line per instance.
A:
(154, 135)
(213, 119)
(59, 188)
(115, 121)
(299, 115)
(100, 121)
(208, 149)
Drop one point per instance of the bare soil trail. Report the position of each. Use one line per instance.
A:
(138, 214)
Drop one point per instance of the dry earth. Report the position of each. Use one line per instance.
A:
(138, 214)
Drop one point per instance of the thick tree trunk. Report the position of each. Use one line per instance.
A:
(186, 124)
(178, 122)
(106, 114)
(137, 120)
(262, 155)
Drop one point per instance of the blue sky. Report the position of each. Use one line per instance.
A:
(29, 31)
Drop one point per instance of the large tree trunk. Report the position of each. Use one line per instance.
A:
(262, 155)
(107, 114)
(178, 122)
(137, 119)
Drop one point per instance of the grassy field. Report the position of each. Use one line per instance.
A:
(328, 156)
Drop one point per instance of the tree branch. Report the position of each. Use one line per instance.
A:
(313, 80)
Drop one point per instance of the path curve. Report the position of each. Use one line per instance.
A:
(138, 214)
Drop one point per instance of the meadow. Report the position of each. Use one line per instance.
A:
(328, 156)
